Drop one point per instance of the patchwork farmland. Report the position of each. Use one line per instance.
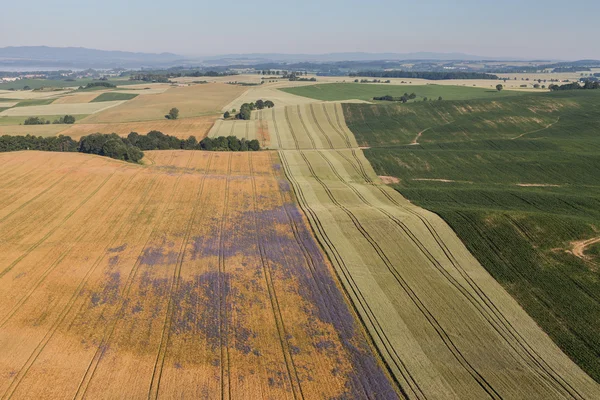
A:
(294, 273)
(198, 276)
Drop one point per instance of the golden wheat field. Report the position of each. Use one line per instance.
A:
(182, 128)
(194, 277)
(192, 101)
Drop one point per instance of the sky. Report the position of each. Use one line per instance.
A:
(510, 28)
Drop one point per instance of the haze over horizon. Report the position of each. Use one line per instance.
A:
(519, 29)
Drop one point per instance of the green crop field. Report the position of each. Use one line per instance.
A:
(34, 102)
(366, 91)
(518, 179)
(113, 97)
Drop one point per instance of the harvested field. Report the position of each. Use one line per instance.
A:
(182, 128)
(58, 109)
(77, 98)
(248, 130)
(36, 130)
(192, 101)
(196, 277)
(443, 325)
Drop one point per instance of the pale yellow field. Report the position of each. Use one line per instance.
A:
(192, 101)
(30, 94)
(77, 98)
(60, 109)
(35, 130)
(7, 104)
(182, 128)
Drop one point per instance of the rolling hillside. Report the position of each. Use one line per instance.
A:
(518, 180)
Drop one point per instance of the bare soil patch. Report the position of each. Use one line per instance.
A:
(389, 180)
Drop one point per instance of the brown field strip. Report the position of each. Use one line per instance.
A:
(443, 325)
(192, 101)
(181, 128)
(195, 277)
(77, 98)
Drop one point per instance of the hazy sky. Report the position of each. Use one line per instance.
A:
(519, 28)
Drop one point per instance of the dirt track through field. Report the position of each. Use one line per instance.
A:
(195, 277)
(443, 325)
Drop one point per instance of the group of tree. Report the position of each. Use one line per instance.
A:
(373, 81)
(576, 86)
(229, 143)
(156, 140)
(247, 108)
(110, 145)
(98, 84)
(129, 149)
(405, 98)
(424, 75)
(67, 119)
(29, 142)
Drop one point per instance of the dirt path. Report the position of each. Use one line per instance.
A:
(537, 130)
(416, 139)
(579, 247)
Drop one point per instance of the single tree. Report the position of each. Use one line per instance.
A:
(226, 115)
(173, 114)
(499, 87)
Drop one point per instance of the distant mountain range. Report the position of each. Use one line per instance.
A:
(80, 58)
(356, 56)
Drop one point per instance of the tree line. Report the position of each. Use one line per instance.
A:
(129, 149)
(424, 75)
(98, 84)
(67, 119)
(575, 86)
(406, 97)
(165, 77)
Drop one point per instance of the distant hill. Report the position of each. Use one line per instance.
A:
(79, 57)
(356, 56)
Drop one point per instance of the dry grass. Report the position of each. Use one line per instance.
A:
(60, 109)
(196, 277)
(182, 128)
(192, 101)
